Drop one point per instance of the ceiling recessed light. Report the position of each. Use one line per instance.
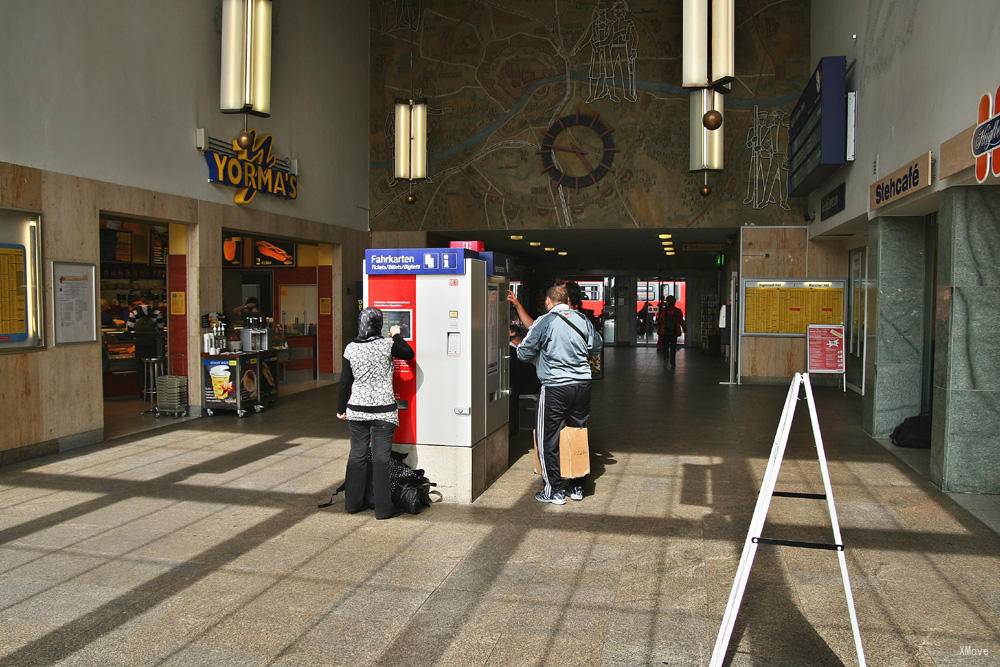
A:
(534, 244)
(549, 249)
(666, 236)
(671, 253)
(563, 253)
(667, 243)
(516, 237)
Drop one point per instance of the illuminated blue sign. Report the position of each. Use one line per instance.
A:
(415, 261)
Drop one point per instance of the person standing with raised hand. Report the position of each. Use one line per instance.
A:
(558, 343)
(368, 403)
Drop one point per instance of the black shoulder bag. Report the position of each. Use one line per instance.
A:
(593, 359)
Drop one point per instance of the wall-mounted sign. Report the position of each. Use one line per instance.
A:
(702, 247)
(178, 303)
(913, 176)
(232, 250)
(415, 261)
(986, 136)
(817, 132)
(476, 246)
(833, 202)
(325, 305)
(788, 307)
(74, 298)
(273, 252)
(250, 170)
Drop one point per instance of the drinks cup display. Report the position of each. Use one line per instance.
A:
(222, 382)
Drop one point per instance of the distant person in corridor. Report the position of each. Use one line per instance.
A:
(670, 325)
(368, 403)
(558, 344)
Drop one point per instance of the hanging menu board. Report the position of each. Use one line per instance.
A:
(788, 307)
(159, 248)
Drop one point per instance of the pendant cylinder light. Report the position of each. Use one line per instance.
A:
(411, 140)
(402, 161)
(694, 64)
(706, 145)
(245, 85)
(418, 140)
(723, 35)
(707, 46)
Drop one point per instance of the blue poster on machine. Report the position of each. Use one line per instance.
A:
(415, 261)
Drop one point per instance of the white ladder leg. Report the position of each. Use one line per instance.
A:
(832, 509)
(756, 524)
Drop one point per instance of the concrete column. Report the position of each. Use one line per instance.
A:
(965, 450)
(895, 333)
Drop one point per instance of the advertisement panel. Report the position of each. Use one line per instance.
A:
(273, 252)
(825, 349)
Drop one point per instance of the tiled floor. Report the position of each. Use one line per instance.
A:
(202, 544)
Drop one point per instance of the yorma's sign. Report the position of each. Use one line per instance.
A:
(913, 176)
(986, 136)
(250, 170)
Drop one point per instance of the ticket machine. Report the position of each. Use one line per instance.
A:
(453, 397)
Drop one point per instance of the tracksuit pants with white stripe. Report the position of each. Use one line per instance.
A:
(558, 406)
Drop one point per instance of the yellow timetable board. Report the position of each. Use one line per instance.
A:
(13, 292)
(789, 308)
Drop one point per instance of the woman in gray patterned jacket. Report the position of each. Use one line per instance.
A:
(368, 403)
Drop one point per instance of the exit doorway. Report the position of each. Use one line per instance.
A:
(651, 295)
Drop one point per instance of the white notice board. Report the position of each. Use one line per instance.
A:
(74, 302)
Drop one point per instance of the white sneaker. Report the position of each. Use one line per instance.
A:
(576, 492)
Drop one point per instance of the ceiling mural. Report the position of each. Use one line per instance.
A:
(561, 113)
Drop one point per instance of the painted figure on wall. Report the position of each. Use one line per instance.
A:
(767, 171)
(614, 43)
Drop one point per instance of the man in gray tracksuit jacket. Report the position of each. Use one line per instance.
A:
(558, 344)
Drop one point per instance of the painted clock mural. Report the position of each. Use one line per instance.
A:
(578, 150)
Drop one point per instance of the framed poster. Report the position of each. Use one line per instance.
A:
(273, 252)
(232, 250)
(74, 302)
(21, 314)
(178, 305)
(825, 349)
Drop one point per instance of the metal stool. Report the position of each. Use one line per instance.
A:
(151, 369)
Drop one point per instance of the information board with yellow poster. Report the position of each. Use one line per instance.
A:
(788, 307)
(13, 292)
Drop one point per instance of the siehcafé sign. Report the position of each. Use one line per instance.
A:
(986, 136)
(912, 177)
(251, 170)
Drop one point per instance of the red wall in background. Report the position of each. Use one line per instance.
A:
(177, 329)
(324, 344)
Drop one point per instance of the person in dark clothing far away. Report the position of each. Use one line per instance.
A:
(558, 343)
(368, 403)
(670, 325)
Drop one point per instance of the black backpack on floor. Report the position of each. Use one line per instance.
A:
(409, 488)
(914, 432)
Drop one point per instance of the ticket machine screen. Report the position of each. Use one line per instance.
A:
(401, 318)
